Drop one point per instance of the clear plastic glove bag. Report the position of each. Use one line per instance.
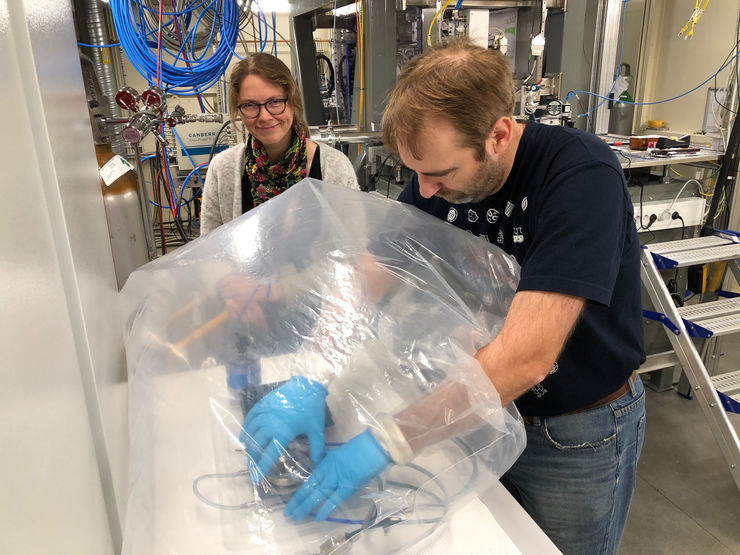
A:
(324, 337)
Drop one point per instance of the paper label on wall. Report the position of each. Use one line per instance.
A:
(114, 168)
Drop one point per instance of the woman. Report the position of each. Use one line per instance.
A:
(278, 153)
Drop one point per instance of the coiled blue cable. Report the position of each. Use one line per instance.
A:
(135, 37)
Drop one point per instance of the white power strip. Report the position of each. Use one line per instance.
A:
(690, 209)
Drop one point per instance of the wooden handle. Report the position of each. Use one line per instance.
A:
(178, 348)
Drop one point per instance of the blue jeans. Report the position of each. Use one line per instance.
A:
(577, 474)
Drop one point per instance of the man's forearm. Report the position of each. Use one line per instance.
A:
(537, 326)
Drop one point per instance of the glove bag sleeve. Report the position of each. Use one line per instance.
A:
(463, 402)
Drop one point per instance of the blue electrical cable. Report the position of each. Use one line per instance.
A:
(210, 36)
(660, 101)
(204, 72)
(260, 17)
(263, 19)
(177, 29)
(233, 53)
(182, 203)
(454, 27)
(185, 181)
(259, 27)
(342, 520)
(185, 150)
(186, 11)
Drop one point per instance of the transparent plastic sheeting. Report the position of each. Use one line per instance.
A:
(382, 305)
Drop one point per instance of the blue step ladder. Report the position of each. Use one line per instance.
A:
(717, 394)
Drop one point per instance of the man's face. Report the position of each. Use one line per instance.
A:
(450, 171)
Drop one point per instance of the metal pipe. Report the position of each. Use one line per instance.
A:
(144, 202)
(96, 31)
(324, 129)
(350, 137)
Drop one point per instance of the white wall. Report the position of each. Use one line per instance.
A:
(62, 436)
(633, 18)
(675, 65)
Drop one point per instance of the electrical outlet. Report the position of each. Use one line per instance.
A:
(691, 210)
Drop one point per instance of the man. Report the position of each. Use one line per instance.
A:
(556, 199)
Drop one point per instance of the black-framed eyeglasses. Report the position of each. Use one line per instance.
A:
(251, 110)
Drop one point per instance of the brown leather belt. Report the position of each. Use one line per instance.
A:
(600, 403)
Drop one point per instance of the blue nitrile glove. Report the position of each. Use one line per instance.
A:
(342, 472)
(295, 408)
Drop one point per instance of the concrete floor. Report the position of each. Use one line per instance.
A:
(685, 500)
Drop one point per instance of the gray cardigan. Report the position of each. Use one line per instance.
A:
(222, 193)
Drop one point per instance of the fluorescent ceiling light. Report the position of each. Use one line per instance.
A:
(267, 6)
(349, 9)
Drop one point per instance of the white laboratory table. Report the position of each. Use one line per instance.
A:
(642, 159)
(174, 443)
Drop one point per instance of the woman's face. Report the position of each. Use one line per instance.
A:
(271, 130)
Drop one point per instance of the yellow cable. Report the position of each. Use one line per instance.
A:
(360, 56)
(678, 173)
(721, 208)
(431, 25)
(688, 29)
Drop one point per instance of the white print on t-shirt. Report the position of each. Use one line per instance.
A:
(509, 208)
(492, 216)
(472, 216)
(484, 237)
(452, 215)
(500, 237)
(524, 204)
(539, 390)
(518, 235)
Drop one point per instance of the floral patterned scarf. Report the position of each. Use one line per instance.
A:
(269, 180)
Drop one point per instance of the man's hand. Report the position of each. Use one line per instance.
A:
(295, 408)
(342, 472)
(243, 296)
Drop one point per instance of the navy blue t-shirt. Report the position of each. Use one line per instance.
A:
(565, 214)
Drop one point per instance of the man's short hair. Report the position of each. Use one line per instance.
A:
(468, 86)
